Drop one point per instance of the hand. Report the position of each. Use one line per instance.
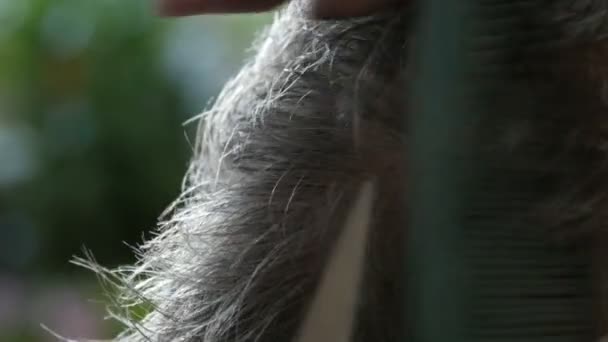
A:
(320, 9)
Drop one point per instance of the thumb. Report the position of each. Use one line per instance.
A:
(337, 9)
(192, 7)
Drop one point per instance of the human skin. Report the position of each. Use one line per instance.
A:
(319, 8)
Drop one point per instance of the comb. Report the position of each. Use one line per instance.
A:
(480, 268)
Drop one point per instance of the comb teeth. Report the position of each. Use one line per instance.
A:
(485, 271)
(523, 288)
(514, 39)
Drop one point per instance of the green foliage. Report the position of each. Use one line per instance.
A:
(103, 127)
(93, 96)
(98, 115)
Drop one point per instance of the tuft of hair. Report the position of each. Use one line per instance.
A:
(316, 113)
(279, 158)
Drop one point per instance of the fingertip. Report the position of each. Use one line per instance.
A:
(171, 8)
(340, 9)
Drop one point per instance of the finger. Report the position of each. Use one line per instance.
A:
(337, 9)
(192, 7)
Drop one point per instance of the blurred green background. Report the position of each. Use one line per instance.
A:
(93, 97)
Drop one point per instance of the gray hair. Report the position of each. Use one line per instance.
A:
(316, 113)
